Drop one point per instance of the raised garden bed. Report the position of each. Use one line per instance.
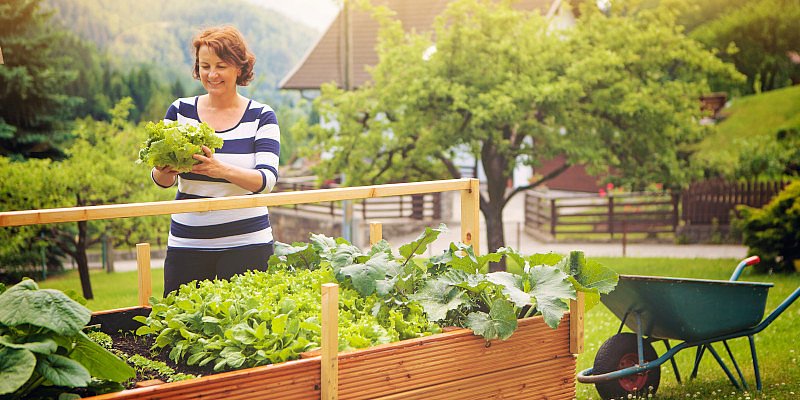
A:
(536, 362)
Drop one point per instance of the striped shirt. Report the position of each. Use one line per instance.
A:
(253, 143)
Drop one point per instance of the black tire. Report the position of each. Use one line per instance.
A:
(618, 352)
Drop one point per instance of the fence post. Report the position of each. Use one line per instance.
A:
(375, 233)
(143, 267)
(329, 370)
(611, 215)
(470, 218)
(553, 218)
(675, 219)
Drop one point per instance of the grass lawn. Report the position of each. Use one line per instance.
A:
(777, 345)
(756, 115)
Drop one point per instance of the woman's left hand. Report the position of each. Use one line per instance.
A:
(209, 166)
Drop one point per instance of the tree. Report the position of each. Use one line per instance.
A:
(760, 38)
(33, 100)
(100, 169)
(618, 93)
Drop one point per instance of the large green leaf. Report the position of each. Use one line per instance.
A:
(550, 286)
(572, 264)
(25, 303)
(596, 276)
(365, 276)
(62, 371)
(16, 367)
(438, 297)
(513, 287)
(345, 255)
(499, 323)
(420, 244)
(38, 344)
(463, 258)
(472, 282)
(100, 362)
(297, 255)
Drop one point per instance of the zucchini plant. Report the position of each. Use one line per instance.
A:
(44, 351)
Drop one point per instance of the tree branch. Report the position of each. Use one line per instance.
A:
(556, 172)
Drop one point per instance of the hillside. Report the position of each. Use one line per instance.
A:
(759, 115)
(159, 33)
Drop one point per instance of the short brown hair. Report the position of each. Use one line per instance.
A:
(228, 44)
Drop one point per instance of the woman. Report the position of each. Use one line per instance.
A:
(220, 244)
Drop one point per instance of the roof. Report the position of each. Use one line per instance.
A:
(325, 61)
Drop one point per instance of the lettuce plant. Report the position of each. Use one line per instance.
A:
(42, 345)
(174, 144)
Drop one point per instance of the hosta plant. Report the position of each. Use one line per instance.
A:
(44, 351)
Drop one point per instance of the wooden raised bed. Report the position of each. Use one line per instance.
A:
(537, 362)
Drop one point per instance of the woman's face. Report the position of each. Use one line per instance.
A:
(216, 75)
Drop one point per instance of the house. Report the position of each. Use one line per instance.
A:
(342, 58)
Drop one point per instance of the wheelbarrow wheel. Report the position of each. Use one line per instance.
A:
(620, 352)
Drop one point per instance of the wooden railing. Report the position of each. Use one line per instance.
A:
(468, 188)
(620, 214)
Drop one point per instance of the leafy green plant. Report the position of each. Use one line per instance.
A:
(174, 144)
(264, 317)
(42, 345)
(773, 232)
(268, 317)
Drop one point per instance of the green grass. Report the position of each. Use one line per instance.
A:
(750, 116)
(115, 290)
(778, 348)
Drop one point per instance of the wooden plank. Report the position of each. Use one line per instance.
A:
(143, 268)
(470, 215)
(330, 342)
(375, 232)
(553, 379)
(576, 332)
(71, 214)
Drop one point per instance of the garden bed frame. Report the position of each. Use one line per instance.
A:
(536, 362)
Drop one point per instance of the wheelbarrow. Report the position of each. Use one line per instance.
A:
(697, 312)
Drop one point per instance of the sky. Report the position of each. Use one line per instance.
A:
(317, 14)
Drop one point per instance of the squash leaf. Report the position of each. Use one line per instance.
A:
(16, 367)
(499, 323)
(25, 303)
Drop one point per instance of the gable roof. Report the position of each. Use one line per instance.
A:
(325, 61)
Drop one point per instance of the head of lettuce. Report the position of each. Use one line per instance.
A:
(174, 144)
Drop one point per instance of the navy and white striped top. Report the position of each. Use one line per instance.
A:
(253, 143)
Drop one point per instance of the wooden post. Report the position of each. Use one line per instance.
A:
(329, 342)
(375, 233)
(143, 265)
(470, 215)
(576, 308)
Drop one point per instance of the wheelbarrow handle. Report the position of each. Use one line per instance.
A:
(747, 261)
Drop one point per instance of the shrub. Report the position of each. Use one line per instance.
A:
(773, 232)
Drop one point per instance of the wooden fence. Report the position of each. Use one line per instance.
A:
(710, 202)
(649, 213)
(426, 206)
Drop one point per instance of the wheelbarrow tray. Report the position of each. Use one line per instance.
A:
(687, 309)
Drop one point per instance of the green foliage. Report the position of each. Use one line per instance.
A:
(617, 93)
(174, 144)
(100, 170)
(773, 232)
(33, 99)
(757, 37)
(261, 318)
(42, 343)
(756, 139)
(146, 367)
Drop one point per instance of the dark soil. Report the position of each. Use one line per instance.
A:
(130, 344)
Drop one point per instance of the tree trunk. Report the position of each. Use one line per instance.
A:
(495, 166)
(83, 260)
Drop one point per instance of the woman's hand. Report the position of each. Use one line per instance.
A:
(210, 166)
(165, 175)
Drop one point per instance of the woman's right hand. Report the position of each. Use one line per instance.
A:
(165, 175)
